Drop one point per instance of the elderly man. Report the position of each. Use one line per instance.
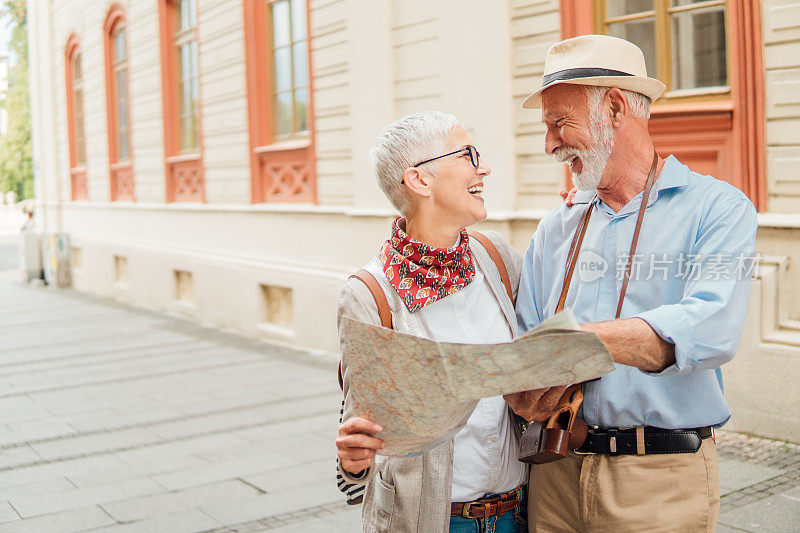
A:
(659, 267)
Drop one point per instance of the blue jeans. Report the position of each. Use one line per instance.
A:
(512, 521)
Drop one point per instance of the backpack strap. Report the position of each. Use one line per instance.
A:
(384, 312)
(378, 295)
(491, 249)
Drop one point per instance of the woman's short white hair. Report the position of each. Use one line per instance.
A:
(639, 104)
(404, 143)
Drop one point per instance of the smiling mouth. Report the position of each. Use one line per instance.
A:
(476, 190)
(572, 161)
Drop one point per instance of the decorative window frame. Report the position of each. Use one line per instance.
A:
(185, 176)
(120, 173)
(281, 170)
(726, 129)
(79, 189)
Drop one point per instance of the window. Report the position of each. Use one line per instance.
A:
(708, 53)
(181, 100)
(75, 119)
(185, 43)
(684, 41)
(279, 101)
(290, 61)
(117, 106)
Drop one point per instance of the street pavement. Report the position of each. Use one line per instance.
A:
(117, 419)
(124, 420)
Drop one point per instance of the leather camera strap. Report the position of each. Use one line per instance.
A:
(629, 263)
(573, 395)
(580, 231)
(572, 257)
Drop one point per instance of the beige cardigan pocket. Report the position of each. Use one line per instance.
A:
(384, 495)
(382, 506)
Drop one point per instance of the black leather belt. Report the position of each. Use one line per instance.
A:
(612, 441)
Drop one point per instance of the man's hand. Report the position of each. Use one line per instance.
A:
(356, 445)
(537, 404)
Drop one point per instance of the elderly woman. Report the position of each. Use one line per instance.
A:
(429, 169)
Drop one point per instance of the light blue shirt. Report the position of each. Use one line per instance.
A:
(690, 281)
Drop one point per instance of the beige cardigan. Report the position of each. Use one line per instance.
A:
(405, 495)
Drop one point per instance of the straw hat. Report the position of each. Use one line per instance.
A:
(596, 60)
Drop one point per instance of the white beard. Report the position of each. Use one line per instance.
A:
(595, 158)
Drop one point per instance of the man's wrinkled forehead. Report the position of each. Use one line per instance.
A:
(562, 100)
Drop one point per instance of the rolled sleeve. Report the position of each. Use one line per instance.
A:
(706, 325)
(671, 323)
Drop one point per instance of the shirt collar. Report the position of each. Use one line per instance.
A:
(673, 174)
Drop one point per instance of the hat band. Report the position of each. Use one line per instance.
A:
(573, 73)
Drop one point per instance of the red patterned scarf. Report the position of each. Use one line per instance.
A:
(422, 274)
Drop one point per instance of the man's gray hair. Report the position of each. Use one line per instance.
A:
(404, 143)
(639, 103)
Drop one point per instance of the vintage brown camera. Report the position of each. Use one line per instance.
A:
(545, 442)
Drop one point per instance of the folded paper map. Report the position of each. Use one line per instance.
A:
(422, 392)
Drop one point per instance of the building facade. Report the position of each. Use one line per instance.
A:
(208, 158)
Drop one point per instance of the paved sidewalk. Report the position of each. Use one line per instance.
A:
(759, 483)
(121, 420)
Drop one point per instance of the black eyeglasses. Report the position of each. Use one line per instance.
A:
(474, 156)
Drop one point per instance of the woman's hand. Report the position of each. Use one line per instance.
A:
(537, 404)
(357, 447)
(568, 197)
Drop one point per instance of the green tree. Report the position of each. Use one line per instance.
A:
(16, 162)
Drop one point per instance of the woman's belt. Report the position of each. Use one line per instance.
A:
(490, 506)
(643, 441)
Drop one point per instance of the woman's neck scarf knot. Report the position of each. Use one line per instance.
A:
(422, 274)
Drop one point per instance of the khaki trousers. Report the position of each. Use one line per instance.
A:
(670, 492)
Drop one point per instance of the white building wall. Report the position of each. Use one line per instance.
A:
(223, 102)
(332, 58)
(372, 62)
(781, 32)
(147, 127)
(76, 17)
(363, 79)
(535, 26)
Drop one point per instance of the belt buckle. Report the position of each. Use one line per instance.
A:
(469, 505)
(466, 508)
